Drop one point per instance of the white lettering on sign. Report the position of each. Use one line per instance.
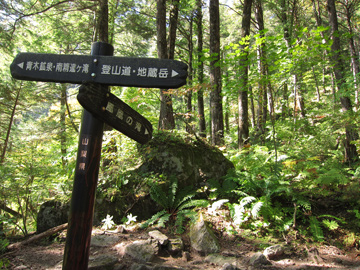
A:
(126, 71)
(138, 126)
(120, 114)
(129, 120)
(163, 73)
(110, 107)
(56, 67)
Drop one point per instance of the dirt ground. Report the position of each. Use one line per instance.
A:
(49, 254)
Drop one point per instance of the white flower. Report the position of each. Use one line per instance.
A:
(130, 218)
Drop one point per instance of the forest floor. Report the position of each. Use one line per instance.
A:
(47, 254)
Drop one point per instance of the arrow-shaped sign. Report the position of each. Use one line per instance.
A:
(108, 70)
(113, 111)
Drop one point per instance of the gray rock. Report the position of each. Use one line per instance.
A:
(102, 262)
(104, 240)
(175, 246)
(219, 259)
(274, 252)
(228, 266)
(141, 251)
(160, 237)
(259, 259)
(202, 238)
(165, 267)
(136, 266)
(51, 214)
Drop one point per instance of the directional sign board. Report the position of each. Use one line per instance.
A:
(113, 111)
(107, 70)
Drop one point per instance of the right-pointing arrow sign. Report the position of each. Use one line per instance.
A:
(113, 111)
(109, 70)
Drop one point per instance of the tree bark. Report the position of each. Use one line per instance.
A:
(200, 96)
(166, 118)
(243, 127)
(351, 154)
(63, 124)
(217, 121)
(2, 159)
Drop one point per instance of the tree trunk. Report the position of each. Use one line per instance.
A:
(189, 126)
(351, 154)
(166, 119)
(63, 124)
(200, 96)
(217, 121)
(353, 51)
(263, 98)
(3, 153)
(243, 128)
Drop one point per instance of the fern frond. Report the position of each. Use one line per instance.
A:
(256, 209)
(163, 219)
(153, 219)
(315, 229)
(247, 200)
(159, 196)
(194, 203)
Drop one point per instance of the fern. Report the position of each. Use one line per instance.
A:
(153, 219)
(316, 229)
(178, 205)
(256, 209)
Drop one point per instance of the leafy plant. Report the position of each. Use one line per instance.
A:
(178, 205)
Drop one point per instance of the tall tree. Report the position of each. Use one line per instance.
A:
(166, 119)
(200, 70)
(217, 121)
(339, 67)
(243, 107)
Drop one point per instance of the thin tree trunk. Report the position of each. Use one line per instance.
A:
(189, 126)
(351, 154)
(243, 127)
(63, 124)
(200, 94)
(166, 119)
(217, 121)
(10, 126)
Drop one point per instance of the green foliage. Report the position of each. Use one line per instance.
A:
(178, 205)
(316, 229)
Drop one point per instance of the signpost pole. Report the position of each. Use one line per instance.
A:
(77, 247)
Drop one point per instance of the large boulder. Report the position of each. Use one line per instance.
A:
(190, 160)
(51, 214)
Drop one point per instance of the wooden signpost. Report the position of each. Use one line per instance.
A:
(96, 72)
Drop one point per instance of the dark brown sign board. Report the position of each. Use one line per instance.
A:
(107, 70)
(114, 112)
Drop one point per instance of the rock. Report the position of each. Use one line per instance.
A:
(160, 237)
(220, 260)
(104, 240)
(202, 238)
(228, 266)
(165, 267)
(186, 256)
(190, 160)
(259, 259)
(141, 251)
(102, 262)
(51, 214)
(136, 266)
(274, 252)
(175, 246)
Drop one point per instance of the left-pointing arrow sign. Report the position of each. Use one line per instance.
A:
(108, 70)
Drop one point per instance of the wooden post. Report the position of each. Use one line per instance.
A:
(77, 247)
